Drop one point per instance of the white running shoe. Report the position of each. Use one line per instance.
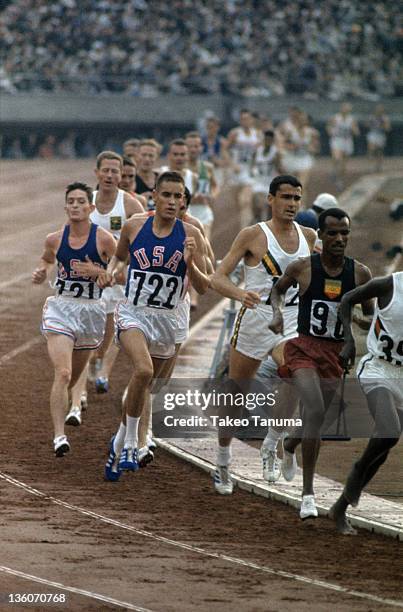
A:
(61, 446)
(271, 464)
(308, 508)
(289, 465)
(74, 416)
(84, 401)
(145, 456)
(222, 480)
(150, 443)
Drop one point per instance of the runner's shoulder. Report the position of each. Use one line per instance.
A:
(310, 235)
(191, 229)
(193, 221)
(362, 272)
(53, 239)
(136, 221)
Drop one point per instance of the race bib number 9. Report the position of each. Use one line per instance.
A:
(154, 289)
(324, 320)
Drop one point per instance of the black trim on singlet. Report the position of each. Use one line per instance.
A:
(326, 288)
(141, 186)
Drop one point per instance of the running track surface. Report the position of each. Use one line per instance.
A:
(160, 539)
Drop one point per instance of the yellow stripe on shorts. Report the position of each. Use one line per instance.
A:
(234, 338)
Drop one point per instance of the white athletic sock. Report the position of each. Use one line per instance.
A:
(223, 455)
(271, 440)
(119, 439)
(132, 428)
(150, 420)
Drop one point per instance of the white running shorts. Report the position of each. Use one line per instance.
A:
(251, 335)
(111, 296)
(81, 320)
(292, 162)
(243, 177)
(345, 145)
(377, 139)
(183, 320)
(158, 326)
(375, 373)
(202, 212)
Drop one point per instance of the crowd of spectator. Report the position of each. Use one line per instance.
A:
(332, 48)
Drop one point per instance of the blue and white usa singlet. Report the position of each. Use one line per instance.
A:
(68, 282)
(157, 267)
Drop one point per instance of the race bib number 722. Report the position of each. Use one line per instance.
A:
(154, 289)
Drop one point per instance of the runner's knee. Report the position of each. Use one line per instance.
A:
(63, 375)
(144, 373)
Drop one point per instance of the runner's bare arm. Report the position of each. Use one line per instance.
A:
(310, 236)
(214, 186)
(142, 200)
(132, 205)
(118, 263)
(375, 288)
(362, 276)
(220, 280)
(293, 273)
(278, 160)
(209, 248)
(231, 138)
(194, 254)
(48, 258)
(206, 253)
(197, 278)
(364, 294)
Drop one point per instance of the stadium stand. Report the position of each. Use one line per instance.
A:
(333, 49)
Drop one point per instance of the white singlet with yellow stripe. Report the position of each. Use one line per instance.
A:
(114, 219)
(385, 338)
(251, 334)
(113, 222)
(260, 278)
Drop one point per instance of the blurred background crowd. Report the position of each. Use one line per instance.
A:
(330, 49)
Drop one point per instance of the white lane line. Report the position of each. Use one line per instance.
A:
(20, 349)
(15, 280)
(63, 587)
(201, 551)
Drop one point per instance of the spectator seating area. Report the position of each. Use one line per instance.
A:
(330, 49)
